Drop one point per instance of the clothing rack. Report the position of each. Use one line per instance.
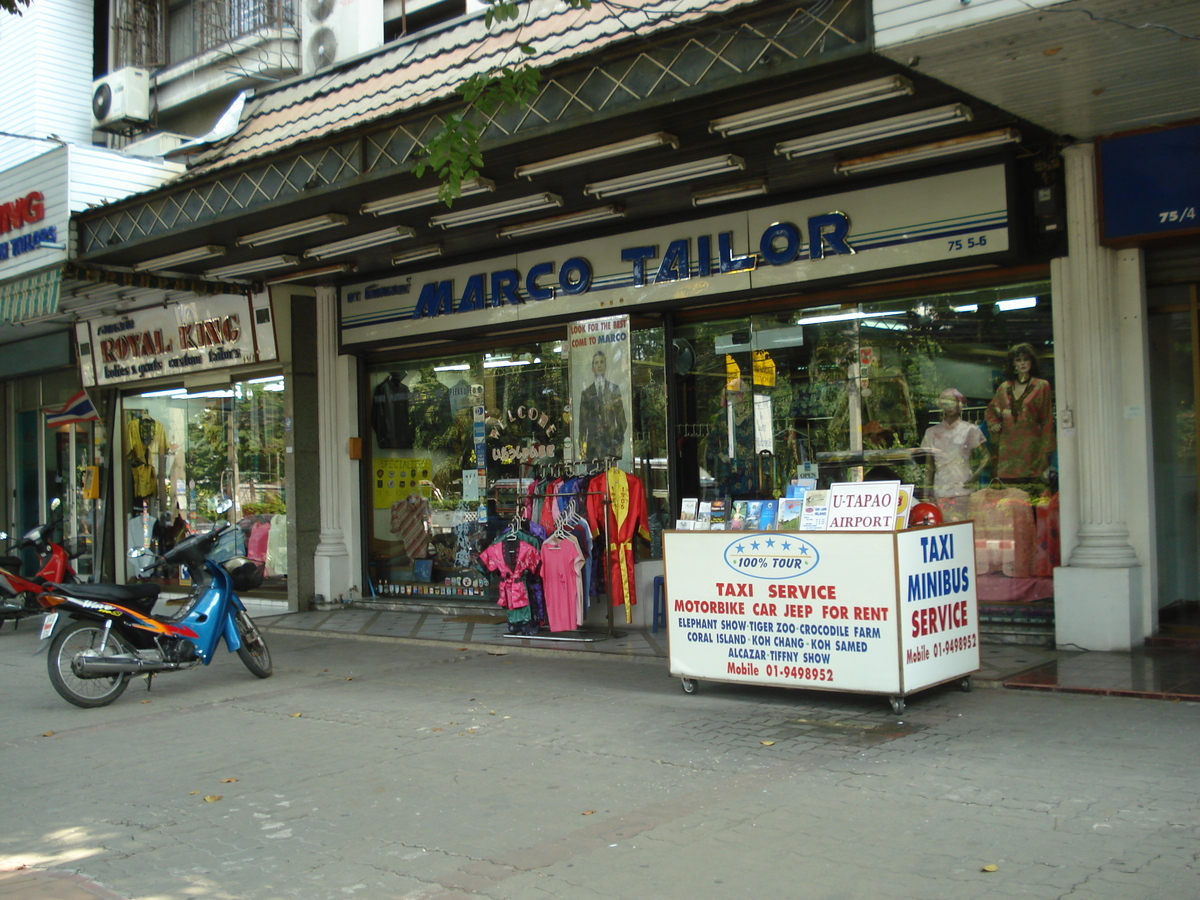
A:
(583, 636)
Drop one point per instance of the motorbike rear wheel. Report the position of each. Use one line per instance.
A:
(86, 692)
(253, 652)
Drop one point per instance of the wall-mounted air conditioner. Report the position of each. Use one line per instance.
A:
(121, 99)
(333, 30)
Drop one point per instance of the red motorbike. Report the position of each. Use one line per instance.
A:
(18, 595)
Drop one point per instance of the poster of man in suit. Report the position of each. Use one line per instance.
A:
(600, 378)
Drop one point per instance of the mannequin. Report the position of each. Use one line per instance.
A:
(1020, 419)
(390, 414)
(953, 443)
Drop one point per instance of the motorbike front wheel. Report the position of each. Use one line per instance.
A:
(253, 652)
(73, 640)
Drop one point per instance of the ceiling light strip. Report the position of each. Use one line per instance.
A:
(935, 150)
(874, 131)
(730, 192)
(416, 253)
(292, 229)
(607, 151)
(361, 242)
(537, 226)
(495, 211)
(670, 175)
(208, 251)
(813, 105)
(254, 265)
(423, 197)
(336, 269)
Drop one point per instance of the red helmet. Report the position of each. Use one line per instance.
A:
(924, 514)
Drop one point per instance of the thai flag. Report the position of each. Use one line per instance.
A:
(78, 409)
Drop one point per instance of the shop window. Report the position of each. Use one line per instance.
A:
(185, 452)
(457, 441)
(918, 390)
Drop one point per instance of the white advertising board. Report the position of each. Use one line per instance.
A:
(822, 610)
(175, 340)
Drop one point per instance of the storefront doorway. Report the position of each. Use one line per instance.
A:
(1174, 325)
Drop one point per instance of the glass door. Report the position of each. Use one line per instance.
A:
(1174, 335)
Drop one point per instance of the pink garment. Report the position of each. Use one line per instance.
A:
(548, 518)
(256, 546)
(512, 558)
(562, 568)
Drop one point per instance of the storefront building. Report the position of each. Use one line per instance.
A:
(741, 250)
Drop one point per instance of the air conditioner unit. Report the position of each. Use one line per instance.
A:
(333, 30)
(121, 99)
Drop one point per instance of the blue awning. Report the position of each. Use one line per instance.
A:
(28, 298)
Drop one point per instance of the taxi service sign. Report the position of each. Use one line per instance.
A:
(873, 612)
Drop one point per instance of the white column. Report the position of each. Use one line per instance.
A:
(1096, 607)
(331, 558)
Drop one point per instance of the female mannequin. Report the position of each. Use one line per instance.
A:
(1020, 419)
(951, 443)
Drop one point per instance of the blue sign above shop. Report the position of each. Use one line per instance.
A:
(1150, 185)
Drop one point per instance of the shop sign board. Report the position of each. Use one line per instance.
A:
(170, 341)
(34, 214)
(1150, 185)
(946, 218)
(872, 612)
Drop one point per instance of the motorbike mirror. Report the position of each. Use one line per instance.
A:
(135, 552)
(3, 535)
(55, 504)
(224, 505)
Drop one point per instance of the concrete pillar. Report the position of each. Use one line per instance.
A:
(332, 559)
(295, 327)
(1096, 608)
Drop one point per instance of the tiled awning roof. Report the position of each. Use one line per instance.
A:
(417, 73)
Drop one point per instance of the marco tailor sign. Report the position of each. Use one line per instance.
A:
(954, 216)
(208, 333)
(876, 612)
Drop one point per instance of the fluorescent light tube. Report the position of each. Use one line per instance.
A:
(504, 363)
(254, 265)
(812, 105)
(336, 269)
(730, 192)
(670, 175)
(1017, 303)
(935, 150)
(847, 316)
(496, 210)
(292, 229)
(607, 151)
(460, 367)
(537, 226)
(874, 131)
(429, 250)
(361, 242)
(208, 251)
(423, 197)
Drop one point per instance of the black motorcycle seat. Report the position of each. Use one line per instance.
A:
(141, 596)
(12, 563)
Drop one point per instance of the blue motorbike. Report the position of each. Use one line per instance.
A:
(102, 634)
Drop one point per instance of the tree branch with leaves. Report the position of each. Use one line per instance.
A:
(454, 153)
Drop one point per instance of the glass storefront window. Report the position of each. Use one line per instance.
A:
(187, 451)
(467, 474)
(950, 393)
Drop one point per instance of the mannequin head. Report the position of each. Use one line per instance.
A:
(950, 402)
(1022, 363)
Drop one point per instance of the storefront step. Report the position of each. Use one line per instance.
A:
(455, 606)
(1025, 635)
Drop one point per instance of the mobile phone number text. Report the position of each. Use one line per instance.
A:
(802, 673)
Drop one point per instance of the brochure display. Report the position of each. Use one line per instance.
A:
(878, 612)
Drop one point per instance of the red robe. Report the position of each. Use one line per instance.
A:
(626, 514)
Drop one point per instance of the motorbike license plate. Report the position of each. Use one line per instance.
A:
(48, 625)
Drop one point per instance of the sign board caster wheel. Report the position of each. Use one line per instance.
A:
(897, 704)
(689, 685)
(965, 685)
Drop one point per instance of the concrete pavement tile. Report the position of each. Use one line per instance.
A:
(37, 884)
